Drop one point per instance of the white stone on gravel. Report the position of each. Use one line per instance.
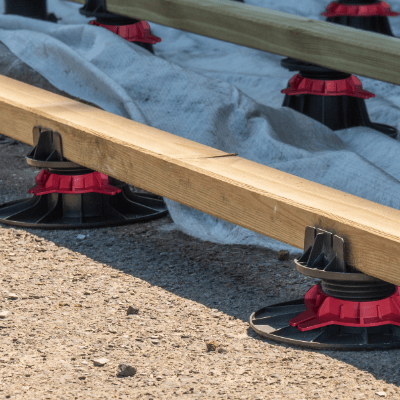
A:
(100, 362)
(4, 314)
(80, 237)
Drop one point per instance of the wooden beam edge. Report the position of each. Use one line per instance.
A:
(256, 197)
(319, 42)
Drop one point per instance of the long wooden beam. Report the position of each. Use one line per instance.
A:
(263, 199)
(335, 46)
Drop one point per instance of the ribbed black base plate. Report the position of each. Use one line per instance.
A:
(83, 211)
(272, 322)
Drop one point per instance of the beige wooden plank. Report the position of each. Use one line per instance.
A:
(257, 197)
(67, 109)
(335, 46)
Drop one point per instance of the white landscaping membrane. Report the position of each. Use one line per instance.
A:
(219, 94)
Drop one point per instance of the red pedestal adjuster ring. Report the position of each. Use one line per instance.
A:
(335, 9)
(323, 310)
(139, 32)
(95, 182)
(342, 87)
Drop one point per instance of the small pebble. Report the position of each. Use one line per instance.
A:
(126, 370)
(381, 394)
(222, 350)
(4, 314)
(132, 311)
(100, 362)
(81, 237)
(282, 255)
(12, 296)
(211, 346)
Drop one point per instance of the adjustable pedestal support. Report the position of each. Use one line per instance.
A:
(133, 30)
(348, 310)
(69, 196)
(333, 98)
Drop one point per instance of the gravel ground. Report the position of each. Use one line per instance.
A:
(68, 330)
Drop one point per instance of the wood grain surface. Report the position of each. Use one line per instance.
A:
(331, 45)
(265, 200)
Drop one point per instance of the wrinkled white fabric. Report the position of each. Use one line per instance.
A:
(219, 94)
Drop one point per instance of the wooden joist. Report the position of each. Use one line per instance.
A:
(330, 45)
(265, 200)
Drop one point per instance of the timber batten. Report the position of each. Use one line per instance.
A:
(323, 43)
(257, 197)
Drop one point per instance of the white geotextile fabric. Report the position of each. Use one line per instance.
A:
(195, 88)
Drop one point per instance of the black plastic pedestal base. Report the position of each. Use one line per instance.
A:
(272, 322)
(83, 211)
(337, 112)
(29, 8)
